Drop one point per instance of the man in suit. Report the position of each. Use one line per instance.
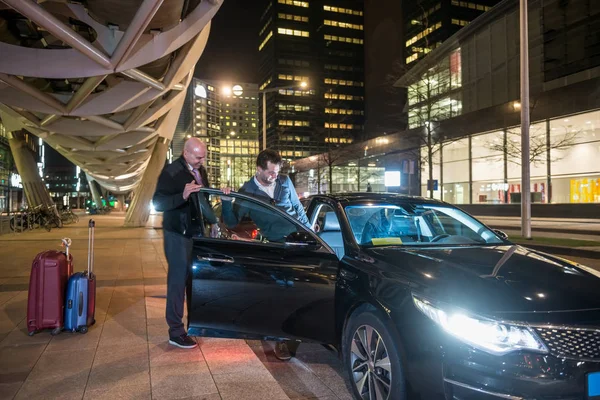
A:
(272, 188)
(176, 195)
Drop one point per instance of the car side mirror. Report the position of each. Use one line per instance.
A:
(500, 233)
(301, 239)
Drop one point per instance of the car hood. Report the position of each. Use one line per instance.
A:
(493, 280)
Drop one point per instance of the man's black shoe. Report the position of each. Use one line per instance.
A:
(183, 341)
(282, 352)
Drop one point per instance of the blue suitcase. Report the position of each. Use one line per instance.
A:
(81, 293)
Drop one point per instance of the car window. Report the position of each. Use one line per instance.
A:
(416, 224)
(250, 220)
(320, 219)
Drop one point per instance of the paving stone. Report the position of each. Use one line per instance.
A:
(234, 387)
(70, 386)
(165, 354)
(181, 380)
(59, 365)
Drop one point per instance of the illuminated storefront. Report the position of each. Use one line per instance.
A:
(564, 166)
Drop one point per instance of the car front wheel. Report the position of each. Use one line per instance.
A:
(372, 358)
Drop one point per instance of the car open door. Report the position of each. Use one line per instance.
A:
(265, 276)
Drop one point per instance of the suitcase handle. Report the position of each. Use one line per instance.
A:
(92, 228)
(66, 243)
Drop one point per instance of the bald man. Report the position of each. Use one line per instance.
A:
(175, 196)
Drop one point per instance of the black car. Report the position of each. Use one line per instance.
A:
(421, 300)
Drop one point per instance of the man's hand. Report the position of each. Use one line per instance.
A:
(190, 188)
(226, 190)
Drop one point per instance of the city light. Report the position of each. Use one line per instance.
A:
(303, 84)
(238, 90)
(516, 105)
(227, 91)
(392, 178)
(200, 91)
(232, 133)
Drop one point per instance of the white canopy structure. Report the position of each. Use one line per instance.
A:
(101, 81)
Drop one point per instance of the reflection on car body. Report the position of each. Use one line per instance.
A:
(420, 299)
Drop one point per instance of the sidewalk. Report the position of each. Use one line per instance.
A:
(589, 227)
(568, 237)
(125, 355)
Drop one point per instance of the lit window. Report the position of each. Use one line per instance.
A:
(343, 39)
(264, 42)
(343, 24)
(343, 10)
(342, 82)
(265, 84)
(296, 3)
(412, 58)
(459, 22)
(290, 17)
(423, 34)
(292, 32)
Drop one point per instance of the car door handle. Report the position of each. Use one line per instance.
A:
(216, 259)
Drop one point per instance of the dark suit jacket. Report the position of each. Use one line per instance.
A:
(179, 215)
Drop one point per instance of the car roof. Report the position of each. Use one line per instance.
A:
(365, 197)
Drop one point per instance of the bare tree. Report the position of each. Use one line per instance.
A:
(539, 144)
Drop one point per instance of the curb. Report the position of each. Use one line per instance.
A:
(564, 251)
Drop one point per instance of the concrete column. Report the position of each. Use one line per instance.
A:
(139, 209)
(35, 190)
(94, 191)
(121, 199)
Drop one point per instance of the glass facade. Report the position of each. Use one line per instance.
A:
(435, 96)
(563, 160)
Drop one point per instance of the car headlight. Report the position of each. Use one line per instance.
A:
(491, 336)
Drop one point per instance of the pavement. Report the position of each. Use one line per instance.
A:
(569, 227)
(125, 355)
(555, 228)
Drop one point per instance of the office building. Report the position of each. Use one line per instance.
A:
(428, 23)
(239, 132)
(67, 185)
(223, 115)
(320, 43)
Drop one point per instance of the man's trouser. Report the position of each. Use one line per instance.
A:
(178, 251)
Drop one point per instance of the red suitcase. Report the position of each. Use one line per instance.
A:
(47, 286)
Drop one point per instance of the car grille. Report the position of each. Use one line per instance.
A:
(572, 343)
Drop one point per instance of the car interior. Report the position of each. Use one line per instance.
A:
(331, 233)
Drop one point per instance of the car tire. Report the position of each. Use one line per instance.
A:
(380, 372)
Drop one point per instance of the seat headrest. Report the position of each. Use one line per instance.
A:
(330, 222)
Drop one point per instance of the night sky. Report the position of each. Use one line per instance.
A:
(232, 50)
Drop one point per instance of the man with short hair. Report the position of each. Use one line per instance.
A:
(272, 188)
(276, 189)
(182, 219)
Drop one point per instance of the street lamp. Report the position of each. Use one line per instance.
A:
(525, 150)
(303, 85)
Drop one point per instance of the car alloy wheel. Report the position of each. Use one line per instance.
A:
(370, 364)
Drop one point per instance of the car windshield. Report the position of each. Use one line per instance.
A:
(411, 224)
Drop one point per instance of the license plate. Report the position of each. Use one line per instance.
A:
(593, 386)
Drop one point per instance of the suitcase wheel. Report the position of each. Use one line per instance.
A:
(83, 329)
(56, 331)
(31, 333)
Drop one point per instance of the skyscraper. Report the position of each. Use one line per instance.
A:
(224, 116)
(239, 132)
(427, 23)
(320, 43)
